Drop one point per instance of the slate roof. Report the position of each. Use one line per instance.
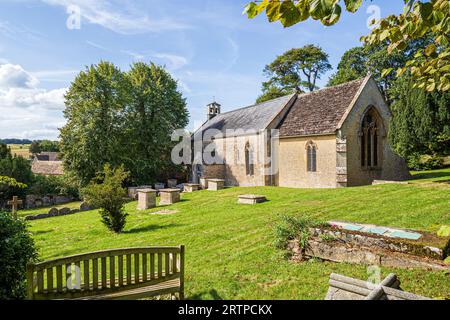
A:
(48, 168)
(47, 156)
(256, 117)
(319, 112)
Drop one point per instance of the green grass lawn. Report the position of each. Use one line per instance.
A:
(229, 251)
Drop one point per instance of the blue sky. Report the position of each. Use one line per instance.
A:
(207, 45)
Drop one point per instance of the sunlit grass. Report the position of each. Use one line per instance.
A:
(229, 251)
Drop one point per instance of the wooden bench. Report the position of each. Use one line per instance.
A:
(131, 273)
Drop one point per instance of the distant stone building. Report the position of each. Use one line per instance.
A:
(333, 137)
(48, 164)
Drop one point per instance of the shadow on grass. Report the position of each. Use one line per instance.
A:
(431, 175)
(151, 227)
(206, 294)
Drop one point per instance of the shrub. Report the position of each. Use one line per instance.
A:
(294, 227)
(54, 185)
(16, 251)
(107, 193)
(424, 162)
(9, 187)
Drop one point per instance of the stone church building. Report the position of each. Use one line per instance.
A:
(333, 137)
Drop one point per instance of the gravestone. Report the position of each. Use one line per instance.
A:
(14, 203)
(159, 186)
(85, 206)
(216, 184)
(169, 196)
(53, 212)
(63, 211)
(203, 183)
(251, 199)
(146, 199)
(172, 183)
(191, 187)
(346, 288)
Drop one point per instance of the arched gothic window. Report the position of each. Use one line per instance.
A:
(311, 152)
(370, 131)
(249, 161)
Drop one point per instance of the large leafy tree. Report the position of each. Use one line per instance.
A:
(421, 120)
(295, 70)
(120, 118)
(95, 108)
(430, 65)
(156, 109)
(359, 61)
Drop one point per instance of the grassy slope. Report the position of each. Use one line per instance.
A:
(229, 246)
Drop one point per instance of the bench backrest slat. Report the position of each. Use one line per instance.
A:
(104, 271)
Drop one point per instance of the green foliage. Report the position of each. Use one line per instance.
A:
(429, 66)
(17, 250)
(156, 109)
(444, 231)
(38, 146)
(121, 118)
(107, 193)
(420, 123)
(424, 162)
(14, 166)
(294, 227)
(272, 92)
(359, 61)
(293, 71)
(35, 147)
(54, 185)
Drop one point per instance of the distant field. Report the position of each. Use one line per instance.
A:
(20, 150)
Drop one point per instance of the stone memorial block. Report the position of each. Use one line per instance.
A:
(251, 199)
(159, 186)
(146, 199)
(191, 187)
(169, 196)
(172, 183)
(216, 184)
(203, 183)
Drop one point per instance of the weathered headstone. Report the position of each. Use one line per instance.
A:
(216, 184)
(203, 183)
(191, 187)
(53, 212)
(346, 288)
(169, 196)
(146, 199)
(159, 186)
(85, 206)
(251, 199)
(172, 183)
(64, 211)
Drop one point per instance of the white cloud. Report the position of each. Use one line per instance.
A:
(174, 62)
(120, 16)
(27, 111)
(14, 76)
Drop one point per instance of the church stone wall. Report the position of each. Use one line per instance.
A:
(392, 166)
(293, 162)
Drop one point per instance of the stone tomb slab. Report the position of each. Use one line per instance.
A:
(169, 196)
(216, 184)
(191, 187)
(251, 199)
(146, 199)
